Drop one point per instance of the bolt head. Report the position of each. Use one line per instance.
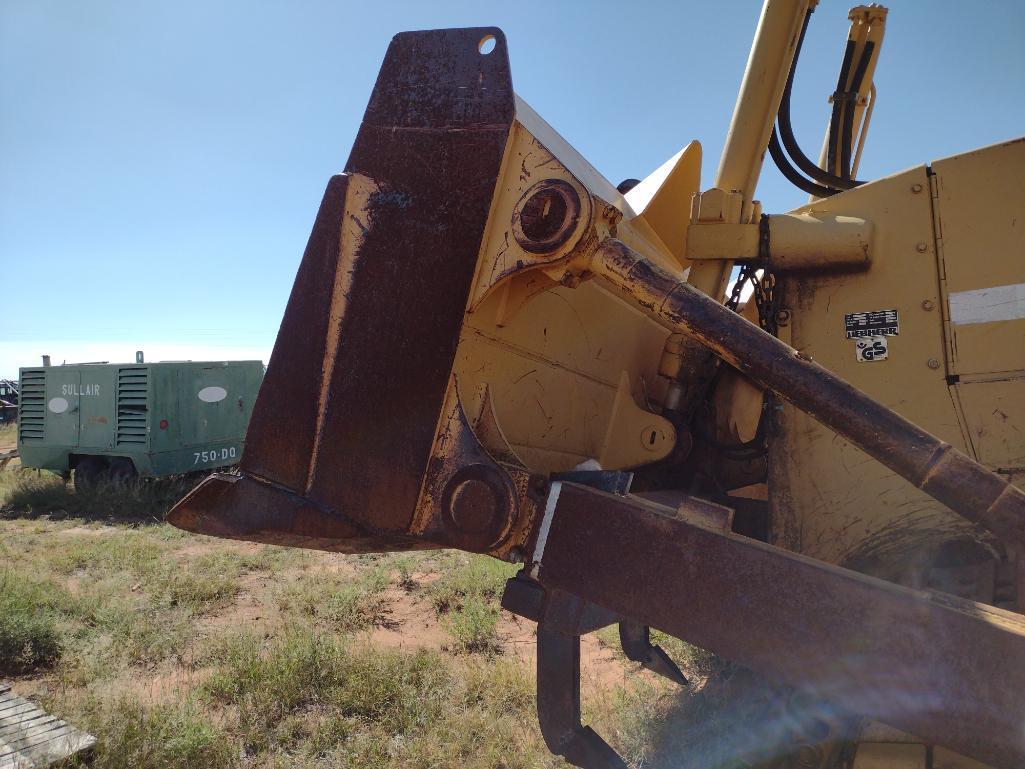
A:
(928, 304)
(916, 188)
(474, 506)
(922, 248)
(782, 317)
(475, 511)
(932, 363)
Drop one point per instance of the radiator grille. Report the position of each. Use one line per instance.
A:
(32, 406)
(132, 387)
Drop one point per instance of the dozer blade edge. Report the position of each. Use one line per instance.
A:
(363, 438)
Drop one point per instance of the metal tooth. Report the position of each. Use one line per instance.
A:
(558, 703)
(636, 642)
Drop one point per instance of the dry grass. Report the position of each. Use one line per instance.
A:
(27, 493)
(184, 651)
(466, 595)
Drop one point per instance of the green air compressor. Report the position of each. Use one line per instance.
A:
(116, 421)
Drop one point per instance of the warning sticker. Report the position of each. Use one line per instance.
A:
(876, 323)
(871, 348)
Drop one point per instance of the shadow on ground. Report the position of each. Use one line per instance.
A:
(26, 493)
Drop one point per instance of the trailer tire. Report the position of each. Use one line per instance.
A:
(88, 472)
(121, 470)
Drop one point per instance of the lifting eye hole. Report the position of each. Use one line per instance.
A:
(487, 44)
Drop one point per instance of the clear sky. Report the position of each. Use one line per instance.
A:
(161, 163)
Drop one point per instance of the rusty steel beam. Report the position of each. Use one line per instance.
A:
(949, 671)
(935, 467)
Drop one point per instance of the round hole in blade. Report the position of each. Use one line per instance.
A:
(487, 44)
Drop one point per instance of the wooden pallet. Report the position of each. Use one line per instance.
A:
(30, 738)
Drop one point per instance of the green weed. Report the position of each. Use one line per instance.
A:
(304, 677)
(473, 626)
(472, 576)
(466, 596)
(405, 564)
(178, 735)
(29, 636)
(347, 603)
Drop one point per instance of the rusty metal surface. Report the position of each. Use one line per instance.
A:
(937, 468)
(432, 138)
(248, 508)
(946, 670)
(468, 499)
(293, 380)
(362, 363)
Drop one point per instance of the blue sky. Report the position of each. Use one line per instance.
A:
(161, 164)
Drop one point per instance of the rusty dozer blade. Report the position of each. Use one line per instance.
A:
(458, 203)
(342, 451)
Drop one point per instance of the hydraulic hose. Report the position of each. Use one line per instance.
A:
(800, 159)
(848, 117)
(834, 120)
(791, 174)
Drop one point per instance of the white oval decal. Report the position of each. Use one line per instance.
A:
(58, 405)
(212, 394)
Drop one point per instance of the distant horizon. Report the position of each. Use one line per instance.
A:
(163, 164)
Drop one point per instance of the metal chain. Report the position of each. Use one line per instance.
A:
(763, 286)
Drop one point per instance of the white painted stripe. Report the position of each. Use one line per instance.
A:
(986, 305)
(546, 525)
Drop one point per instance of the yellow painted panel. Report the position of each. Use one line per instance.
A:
(553, 370)
(829, 499)
(995, 413)
(980, 210)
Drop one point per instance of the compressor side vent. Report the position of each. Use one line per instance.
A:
(32, 406)
(132, 405)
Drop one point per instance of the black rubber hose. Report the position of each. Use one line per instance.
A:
(803, 163)
(848, 117)
(791, 174)
(838, 103)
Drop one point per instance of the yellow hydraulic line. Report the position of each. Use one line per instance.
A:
(753, 118)
(863, 131)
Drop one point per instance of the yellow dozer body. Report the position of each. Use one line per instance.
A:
(490, 347)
